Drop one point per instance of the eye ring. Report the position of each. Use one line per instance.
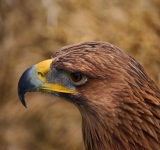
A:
(77, 78)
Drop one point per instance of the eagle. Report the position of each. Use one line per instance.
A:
(119, 103)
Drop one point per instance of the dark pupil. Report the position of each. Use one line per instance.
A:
(76, 77)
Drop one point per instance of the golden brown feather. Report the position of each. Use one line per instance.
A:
(119, 104)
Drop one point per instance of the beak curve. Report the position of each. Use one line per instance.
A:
(34, 80)
(25, 84)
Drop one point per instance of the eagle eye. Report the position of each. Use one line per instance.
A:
(76, 77)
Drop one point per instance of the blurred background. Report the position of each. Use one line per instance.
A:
(31, 30)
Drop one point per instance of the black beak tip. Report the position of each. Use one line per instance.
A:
(24, 103)
(21, 97)
(23, 86)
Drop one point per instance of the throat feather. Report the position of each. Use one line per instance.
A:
(123, 131)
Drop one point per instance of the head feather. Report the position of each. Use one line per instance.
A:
(119, 104)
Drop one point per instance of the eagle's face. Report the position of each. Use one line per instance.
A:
(79, 73)
(86, 75)
(118, 102)
(44, 78)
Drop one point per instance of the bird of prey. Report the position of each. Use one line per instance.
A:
(118, 102)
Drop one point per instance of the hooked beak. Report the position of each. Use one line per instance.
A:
(34, 80)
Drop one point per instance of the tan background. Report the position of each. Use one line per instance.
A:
(31, 30)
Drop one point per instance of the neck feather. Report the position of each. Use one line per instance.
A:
(131, 125)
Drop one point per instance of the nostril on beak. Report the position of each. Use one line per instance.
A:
(41, 74)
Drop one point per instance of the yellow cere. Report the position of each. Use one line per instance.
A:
(42, 69)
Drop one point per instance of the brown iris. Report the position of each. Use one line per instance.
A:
(76, 77)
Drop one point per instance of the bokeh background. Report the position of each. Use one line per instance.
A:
(31, 30)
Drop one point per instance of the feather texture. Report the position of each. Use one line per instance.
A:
(119, 104)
